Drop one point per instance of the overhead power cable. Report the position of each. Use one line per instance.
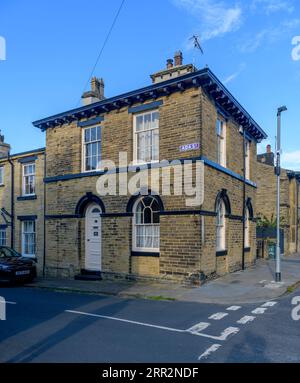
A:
(104, 45)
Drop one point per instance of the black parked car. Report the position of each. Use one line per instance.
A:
(16, 268)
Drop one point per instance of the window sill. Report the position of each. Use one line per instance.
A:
(27, 198)
(30, 256)
(136, 163)
(221, 253)
(139, 253)
(93, 171)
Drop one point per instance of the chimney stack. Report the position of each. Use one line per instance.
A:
(4, 148)
(267, 158)
(96, 93)
(97, 86)
(169, 63)
(175, 68)
(178, 58)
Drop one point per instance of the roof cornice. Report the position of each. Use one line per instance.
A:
(294, 174)
(203, 78)
(14, 156)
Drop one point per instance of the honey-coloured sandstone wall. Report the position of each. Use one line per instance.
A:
(187, 241)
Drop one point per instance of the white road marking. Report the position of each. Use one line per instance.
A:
(218, 316)
(224, 335)
(246, 319)
(259, 310)
(198, 327)
(233, 308)
(209, 351)
(269, 304)
(125, 320)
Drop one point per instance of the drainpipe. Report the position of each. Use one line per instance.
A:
(297, 216)
(12, 206)
(44, 245)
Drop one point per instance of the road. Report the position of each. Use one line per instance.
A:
(48, 326)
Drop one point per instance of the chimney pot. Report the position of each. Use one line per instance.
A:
(4, 148)
(178, 58)
(169, 63)
(96, 93)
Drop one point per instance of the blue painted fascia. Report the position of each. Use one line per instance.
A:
(3, 227)
(145, 107)
(206, 161)
(67, 177)
(27, 217)
(123, 96)
(93, 121)
(214, 78)
(222, 112)
(62, 216)
(26, 160)
(194, 79)
(220, 168)
(27, 198)
(34, 151)
(15, 155)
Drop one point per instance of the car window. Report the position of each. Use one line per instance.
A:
(6, 252)
(2, 254)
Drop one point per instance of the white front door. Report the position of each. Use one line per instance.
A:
(93, 238)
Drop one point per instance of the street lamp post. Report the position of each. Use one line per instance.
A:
(243, 133)
(278, 171)
(244, 197)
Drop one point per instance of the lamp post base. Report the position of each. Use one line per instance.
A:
(278, 277)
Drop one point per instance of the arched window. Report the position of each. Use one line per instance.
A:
(146, 224)
(247, 228)
(248, 218)
(221, 226)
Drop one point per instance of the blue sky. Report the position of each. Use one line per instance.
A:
(52, 46)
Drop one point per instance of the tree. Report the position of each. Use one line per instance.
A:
(265, 222)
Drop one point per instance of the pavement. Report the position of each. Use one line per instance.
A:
(254, 285)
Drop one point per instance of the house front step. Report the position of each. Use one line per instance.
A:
(88, 275)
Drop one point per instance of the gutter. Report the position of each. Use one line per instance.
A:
(12, 207)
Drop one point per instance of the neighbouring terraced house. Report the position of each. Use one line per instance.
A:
(75, 232)
(289, 200)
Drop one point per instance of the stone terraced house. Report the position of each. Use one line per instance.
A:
(184, 114)
(289, 199)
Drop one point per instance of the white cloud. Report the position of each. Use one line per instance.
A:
(269, 36)
(216, 17)
(272, 6)
(233, 76)
(291, 160)
(230, 78)
(250, 45)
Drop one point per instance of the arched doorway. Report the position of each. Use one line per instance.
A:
(93, 237)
